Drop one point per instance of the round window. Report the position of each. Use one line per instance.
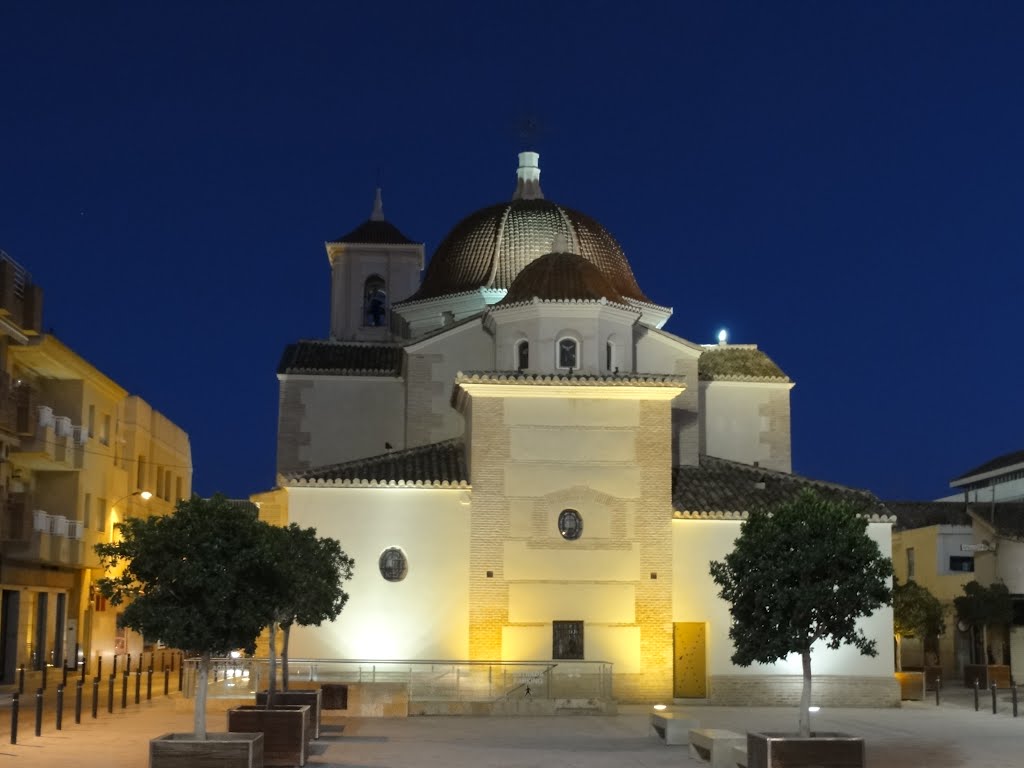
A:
(570, 524)
(393, 565)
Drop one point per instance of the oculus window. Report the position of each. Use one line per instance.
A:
(570, 524)
(393, 565)
(568, 353)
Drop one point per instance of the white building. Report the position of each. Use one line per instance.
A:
(526, 466)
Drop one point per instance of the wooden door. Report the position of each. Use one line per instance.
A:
(690, 638)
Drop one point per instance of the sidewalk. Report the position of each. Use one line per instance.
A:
(919, 734)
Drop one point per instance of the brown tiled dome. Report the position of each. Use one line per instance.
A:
(561, 277)
(490, 248)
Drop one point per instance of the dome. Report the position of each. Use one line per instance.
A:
(561, 277)
(491, 247)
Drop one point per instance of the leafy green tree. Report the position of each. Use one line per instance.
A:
(801, 573)
(981, 607)
(304, 587)
(917, 612)
(190, 579)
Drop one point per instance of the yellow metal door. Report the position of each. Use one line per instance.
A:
(690, 667)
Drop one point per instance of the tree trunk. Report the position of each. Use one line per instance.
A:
(272, 683)
(805, 696)
(284, 655)
(202, 679)
(899, 653)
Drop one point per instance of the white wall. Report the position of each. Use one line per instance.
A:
(423, 617)
(747, 422)
(695, 598)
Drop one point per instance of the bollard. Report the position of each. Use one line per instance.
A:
(14, 718)
(993, 697)
(44, 675)
(21, 679)
(938, 691)
(1013, 698)
(95, 696)
(181, 673)
(83, 672)
(78, 702)
(124, 690)
(99, 665)
(167, 680)
(128, 664)
(138, 683)
(149, 683)
(110, 694)
(60, 707)
(114, 673)
(39, 711)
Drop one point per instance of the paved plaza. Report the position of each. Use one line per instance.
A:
(919, 734)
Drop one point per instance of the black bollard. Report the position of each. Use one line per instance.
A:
(99, 665)
(1013, 698)
(83, 672)
(114, 673)
(124, 690)
(110, 694)
(39, 711)
(14, 718)
(138, 683)
(181, 674)
(44, 675)
(149, 683)
(128, 664)
(95, 696)
(21, 679)
(993, 697)
(938, 691)
(60, 706)
(78, 702)
(167, 680)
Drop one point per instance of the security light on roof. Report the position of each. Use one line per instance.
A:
(723, 336)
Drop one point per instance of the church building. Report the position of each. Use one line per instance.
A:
(526, 466)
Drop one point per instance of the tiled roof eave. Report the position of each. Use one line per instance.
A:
(536, 300)
(375, 372)
(363, 483)
(576, 380)
(742, 378)
(743, 515)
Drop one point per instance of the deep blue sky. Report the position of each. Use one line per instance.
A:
(840, 183)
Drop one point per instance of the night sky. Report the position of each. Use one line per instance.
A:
(839, 183)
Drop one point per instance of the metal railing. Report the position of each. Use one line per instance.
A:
(426, 680)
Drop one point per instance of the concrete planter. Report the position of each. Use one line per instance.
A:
(286, 731)
(218, 750)
(788, 750)
(313, 697)
(912, 686)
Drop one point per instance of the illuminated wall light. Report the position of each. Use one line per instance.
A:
(660, 707)
(814, 709)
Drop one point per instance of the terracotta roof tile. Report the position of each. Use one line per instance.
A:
(561, 277)
(341, 359)
(438, 464)
(375, 232)
(737, 362)
(720, 486)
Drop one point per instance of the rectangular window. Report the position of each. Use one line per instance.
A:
(101, 514)
(87, 511)
(961, 564)
(105, 430)
(567, 640)
(167, 485)
(92, 420)
(140, 475)
(910, 563)
(159, 482)
(177, 488)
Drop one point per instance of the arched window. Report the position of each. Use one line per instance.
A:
(375, 301)
(609, 354)
(568, 353)
(522, 355)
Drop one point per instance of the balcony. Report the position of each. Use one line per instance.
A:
(50, 442)
(34, 535)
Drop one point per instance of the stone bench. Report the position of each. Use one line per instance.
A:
(739, 756)
(673, 728)
(715, 746)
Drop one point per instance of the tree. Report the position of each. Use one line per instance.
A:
(304, 587)
(916, 612)
(802, 573)
(190, 579)
(981, 607)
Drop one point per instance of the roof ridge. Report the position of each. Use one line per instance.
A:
(376, 459)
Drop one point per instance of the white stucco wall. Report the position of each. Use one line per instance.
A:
(747, 422)
(424, 616)
(695, 598)
(1010, 565)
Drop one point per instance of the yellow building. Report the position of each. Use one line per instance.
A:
(80, 454)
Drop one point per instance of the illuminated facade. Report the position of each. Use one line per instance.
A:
(78, 452)
(526, 466)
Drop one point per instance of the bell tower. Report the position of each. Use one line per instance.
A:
(372, 267)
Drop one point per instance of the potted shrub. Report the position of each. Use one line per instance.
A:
(187, 578)
(916, 612)
(303, 584)
(978, 609)
(800, 573)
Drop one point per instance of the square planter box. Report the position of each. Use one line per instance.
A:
(286, 731)
(314, 698)
(912, 686)
(218, 750)
(788, 750)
